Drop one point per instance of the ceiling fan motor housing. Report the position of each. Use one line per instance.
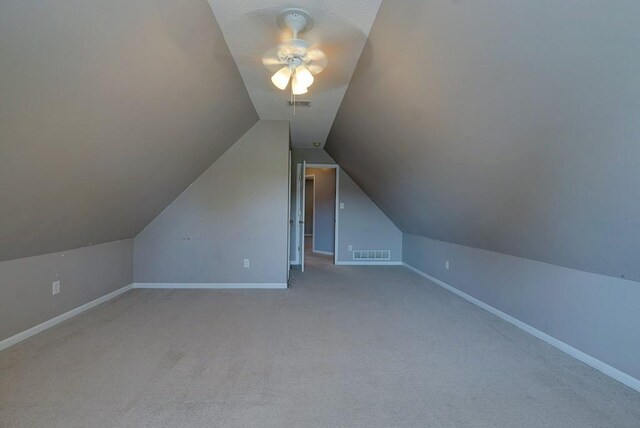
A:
(294, 52)
(294, 62)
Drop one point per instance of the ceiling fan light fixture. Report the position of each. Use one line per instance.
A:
(304, 76)
(281, 77)
(299, 60)
(297, 88)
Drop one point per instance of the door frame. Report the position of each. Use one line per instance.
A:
(299, 217)
(337, 205)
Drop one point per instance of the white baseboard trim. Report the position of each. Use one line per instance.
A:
(369, 263)
(211, 286)
(60, 318)
(326, 253)
(612, 372)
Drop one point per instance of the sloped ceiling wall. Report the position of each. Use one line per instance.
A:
(512, 126)
(109, 110)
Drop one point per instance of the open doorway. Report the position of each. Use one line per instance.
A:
(309, 208)
(323, 200)
(317, 213)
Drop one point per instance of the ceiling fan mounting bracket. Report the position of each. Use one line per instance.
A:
(295, 20)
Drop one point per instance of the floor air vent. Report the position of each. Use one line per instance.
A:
(371, 255)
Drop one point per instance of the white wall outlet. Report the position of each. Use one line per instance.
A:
(55, 287)
(246, 263)
(350, 247)
(446, 264)
(341, 205)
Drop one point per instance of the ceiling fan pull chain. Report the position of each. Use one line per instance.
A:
(292, 100)
(293, 95)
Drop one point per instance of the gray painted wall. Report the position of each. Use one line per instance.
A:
(361, 223)
(85, 274)
(512, 127)
(594, 313)
(109, 110)
(236, 210)
(325, 209)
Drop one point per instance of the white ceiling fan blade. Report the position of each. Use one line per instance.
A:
(316, 67)
(272, 61)
(316, 54)
(317, 60)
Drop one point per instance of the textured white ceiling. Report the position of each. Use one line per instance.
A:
(341, 28)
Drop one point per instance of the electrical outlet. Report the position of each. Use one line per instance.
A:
(446, 264)
(350, 247)
(246, 263)
(55, 289)
(341, 205)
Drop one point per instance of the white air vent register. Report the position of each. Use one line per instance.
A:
(371, 255)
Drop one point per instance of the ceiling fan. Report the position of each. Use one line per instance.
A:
(296, 60)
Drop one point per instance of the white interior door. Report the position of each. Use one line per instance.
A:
(300, 211)
(289, 218)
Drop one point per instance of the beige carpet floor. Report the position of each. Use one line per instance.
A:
(344, 347)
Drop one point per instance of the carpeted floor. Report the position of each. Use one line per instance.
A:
(344, 347)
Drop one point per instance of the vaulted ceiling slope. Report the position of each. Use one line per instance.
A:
(512, 126)
(109, 110)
